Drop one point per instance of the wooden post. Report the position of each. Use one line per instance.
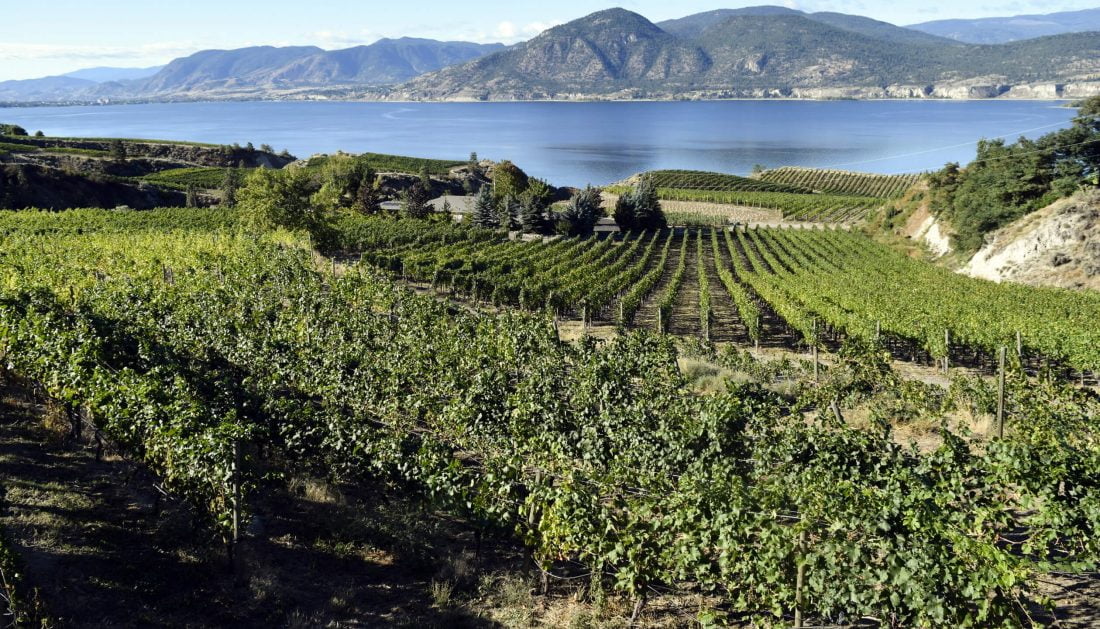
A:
(946, 350)
(814, 350)
(334, 267)
(236, 512)
(1020, 347)
(584, 319)
(622, 313)
(1001, 393)
(800, 579)
(878, 331)
(660, 327)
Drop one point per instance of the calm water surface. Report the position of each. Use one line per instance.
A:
(578, 143)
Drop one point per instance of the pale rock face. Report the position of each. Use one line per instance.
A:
(932, 235)
(1058, 246)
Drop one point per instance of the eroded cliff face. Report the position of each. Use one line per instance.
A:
(1056, 246)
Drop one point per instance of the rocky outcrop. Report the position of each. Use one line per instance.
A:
(1056, 246)
(28, 186)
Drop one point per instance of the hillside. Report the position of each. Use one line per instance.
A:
(693, 26)
(1056, 246)
(620, 54)
(259, 71)
(998, 30)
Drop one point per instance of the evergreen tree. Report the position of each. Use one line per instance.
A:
(535, 202)
(230, 185)
(367, 197)
(508, 211)
(582, 214)
(415, 201)
(485, 210)
(624, 211)
(647, 207)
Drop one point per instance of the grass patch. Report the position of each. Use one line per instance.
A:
(381, 162)
(182, 178)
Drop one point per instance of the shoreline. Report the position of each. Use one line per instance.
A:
(785, 99)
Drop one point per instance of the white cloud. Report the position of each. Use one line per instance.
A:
(506, 30)
(33, 52)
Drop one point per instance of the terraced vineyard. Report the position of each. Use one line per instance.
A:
(797, 202)
(703, 180)
(844, 182)
(815, 286)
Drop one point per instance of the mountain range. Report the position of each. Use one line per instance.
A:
(999, 30)
(762, 52)
(618, 54)
(258, 71)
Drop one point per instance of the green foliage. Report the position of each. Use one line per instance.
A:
(535, 202)
(508, 180)
(640, 208)
(280, 198)
(202, 178)
(415, 202)
(580, 216)
(719, 182)
(12, 129)
(383, 163)
(486, 213)
(231, 184)
(595, 454)
(842, 182)
(1008, 181)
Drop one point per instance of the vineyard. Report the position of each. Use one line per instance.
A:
(220, 359)
(809, 280)
(719, 182)
(843, 182)
(839, 203)
(183, 178)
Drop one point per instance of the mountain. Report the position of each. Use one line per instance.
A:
(693, 26)
(761, 52)
(999, 30)
(599, 52)
(51, 88)
(385, 61)
(213, 69)
(106, 74)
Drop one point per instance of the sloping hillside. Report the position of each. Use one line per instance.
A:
(1056, 246)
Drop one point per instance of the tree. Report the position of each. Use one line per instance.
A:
(485, 210)
(647, 207)
(508, 179)
(582, 214)
(534, 204)
(508, 210)
(279, 198)
(118, 151)
(192, 196)
(248, 147)
(367, 198)
(231, 184)
(12, 129)
(640, 208)
(267, 148)
(415, 201)
(758, 168)
(39, 134)
(473, 165)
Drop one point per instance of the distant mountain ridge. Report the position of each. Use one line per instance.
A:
(761, 52)
(105, 74)
(752, 52)
(257, 71)
(999, 30)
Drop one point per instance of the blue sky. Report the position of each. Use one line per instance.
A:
(46, 37)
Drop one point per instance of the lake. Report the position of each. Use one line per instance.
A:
(579, 143)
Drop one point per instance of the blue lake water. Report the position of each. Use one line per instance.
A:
(578, 143)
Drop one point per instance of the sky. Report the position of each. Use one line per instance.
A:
(49, 37)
